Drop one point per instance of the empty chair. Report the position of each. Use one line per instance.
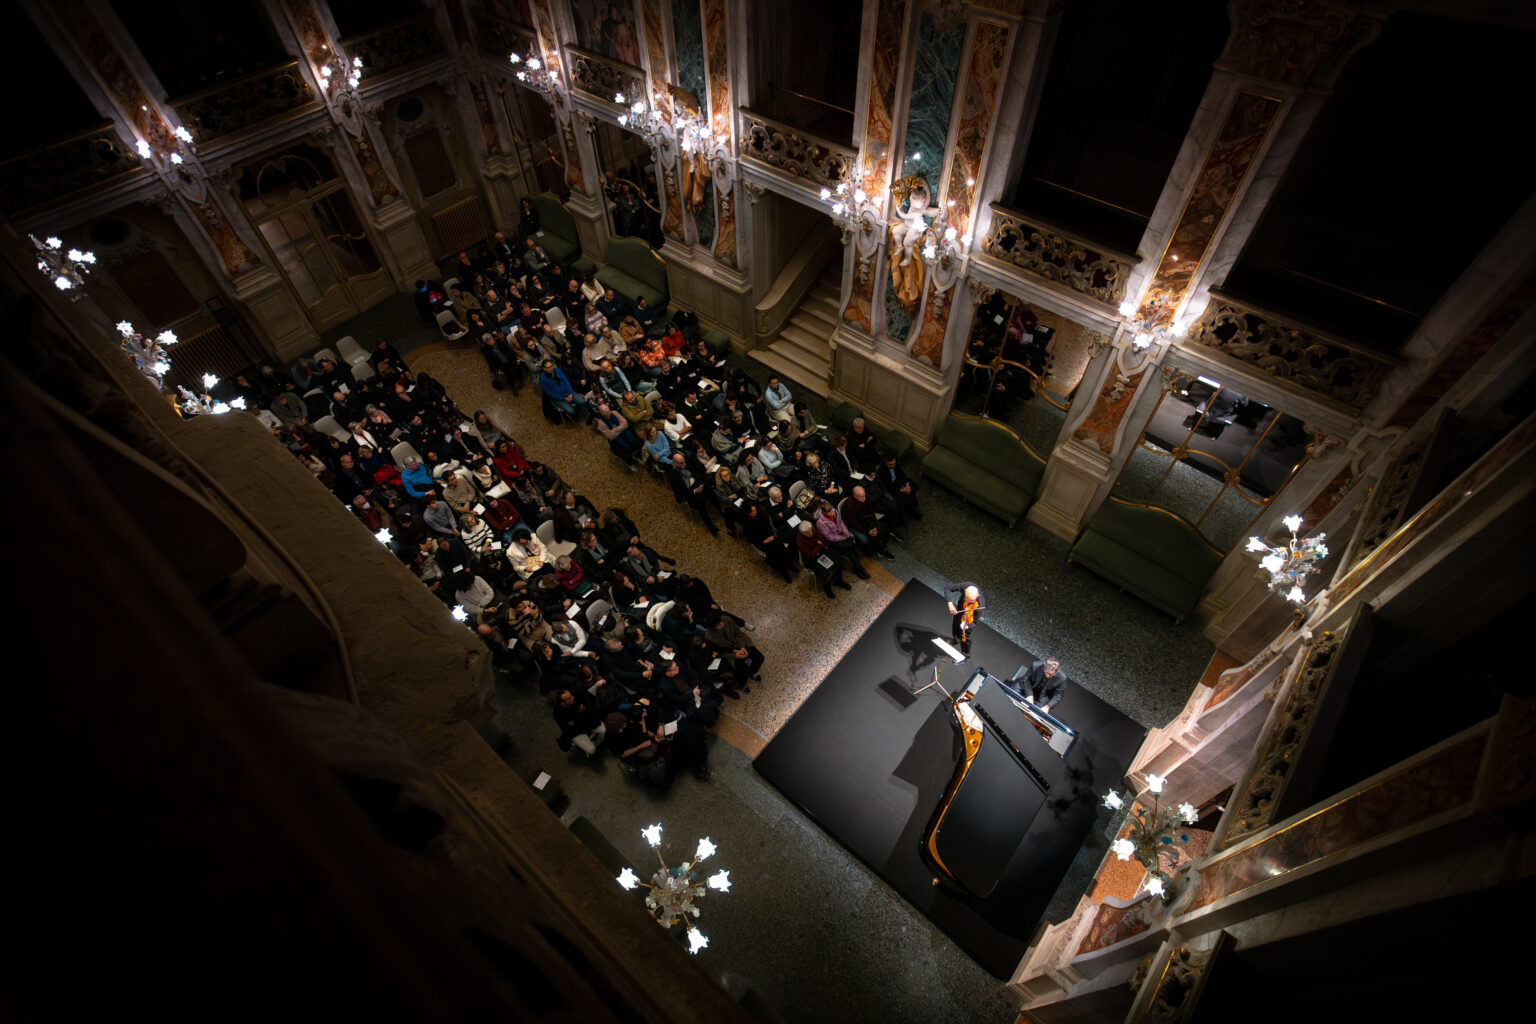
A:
(362, 372)
(556, 318)
(328, 425)
(556, 548)
(403, 451)
(351, 351)
(326, 353)
(449, 324)
(795, 489)
(653, 399)
(595, 612)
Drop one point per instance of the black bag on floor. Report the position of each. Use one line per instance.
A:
(550, 412)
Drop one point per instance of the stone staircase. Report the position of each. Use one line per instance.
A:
(802, 352)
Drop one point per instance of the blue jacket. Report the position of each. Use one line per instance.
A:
(556, 385)
(417, 481)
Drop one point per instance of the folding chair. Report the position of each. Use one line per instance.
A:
(351, 351)
(556, 548)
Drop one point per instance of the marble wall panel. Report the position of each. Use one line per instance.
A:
(885, 63)
(688, 47)
(929, 344)
(549, 44)
(1103, 419)
(936, 63)
(1221, 178)
(983, 79)
(655, 46)
(717, 66)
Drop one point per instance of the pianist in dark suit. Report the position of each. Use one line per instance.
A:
(1043, 684)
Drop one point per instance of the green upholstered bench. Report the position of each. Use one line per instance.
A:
(843, 416)
(1151, 553)
(986, 465)
(634, 270)
(558, 235)
(719, 342)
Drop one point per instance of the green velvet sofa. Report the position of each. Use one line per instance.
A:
(634, 270)
(559, 237)
(1153, 554)
(985, 464)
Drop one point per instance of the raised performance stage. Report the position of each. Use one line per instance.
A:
(870, 762)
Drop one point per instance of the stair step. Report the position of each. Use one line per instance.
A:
(819, 310)
(810, 377)
(804, 337)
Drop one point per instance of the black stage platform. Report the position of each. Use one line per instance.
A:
(869, 763)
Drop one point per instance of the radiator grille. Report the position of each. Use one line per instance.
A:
(460, 226)
(216, 351)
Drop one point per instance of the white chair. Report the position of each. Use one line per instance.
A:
(450, 284)
(326, 353)
(795, 489)
(556, 548)
(328, 425)
(351, 351)
(449, 324)
(362, 372)
(556, 317)
(403, 451)
(595, 612)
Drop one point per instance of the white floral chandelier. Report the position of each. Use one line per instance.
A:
(675, 891)
(1290, 564)
(66, 269)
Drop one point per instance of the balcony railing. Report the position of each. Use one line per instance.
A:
(792, 152)
(596, 75)
(231, 106)
(1091, 270)
(397, 46)
(1296, 355)
(498, 37)
(63, 168)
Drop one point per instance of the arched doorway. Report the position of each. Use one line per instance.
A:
(301, 206)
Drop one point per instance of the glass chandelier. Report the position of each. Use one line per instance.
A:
(674, 892)
(1290, 564)
(1153, 833)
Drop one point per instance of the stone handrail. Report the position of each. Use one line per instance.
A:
(1023, 241)
(815, 162)
(1296, 355)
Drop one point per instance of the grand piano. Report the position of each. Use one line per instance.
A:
(996, 789)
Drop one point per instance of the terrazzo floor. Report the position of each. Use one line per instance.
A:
(807, 926)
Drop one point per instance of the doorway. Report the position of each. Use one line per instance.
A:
(301, 206)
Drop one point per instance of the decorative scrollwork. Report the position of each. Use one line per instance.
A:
(399, 45)
(798, 154)
(598, 76)
(1252, 813)
(1175, 379)
(1061, 260)
(1294, 354)
(247, 101)
(498, 36)
(76, 163)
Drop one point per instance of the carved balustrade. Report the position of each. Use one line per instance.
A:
(63, 168)
(397, 46)
(498, 38)
(792, 152)
(1091, 270)
(232, 106)
(1294, 354)
(600, 77)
